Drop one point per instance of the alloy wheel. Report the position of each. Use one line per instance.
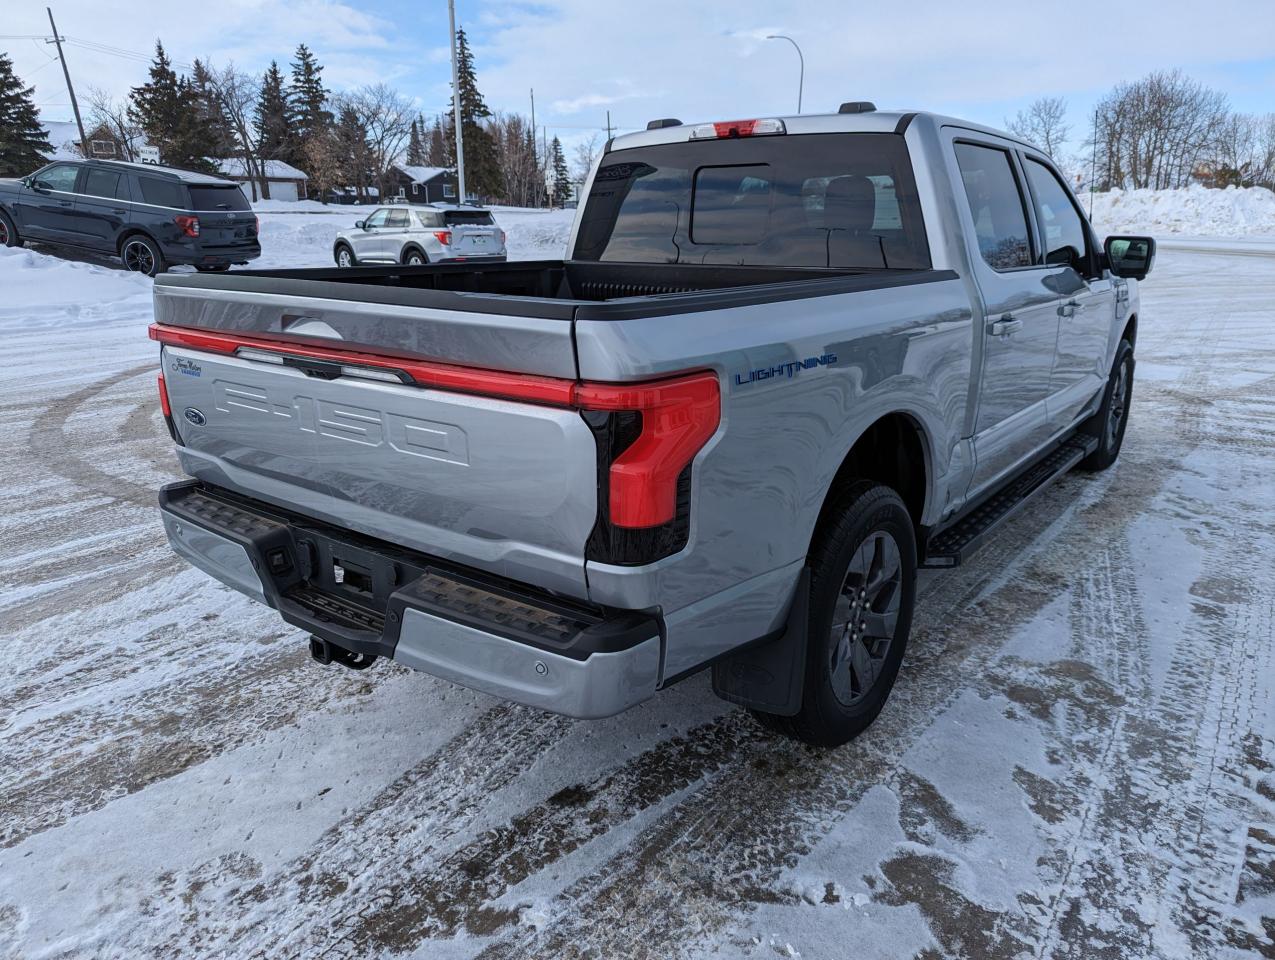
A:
(138, 257)
(865, 618)
(4, 234)
(1119, 403)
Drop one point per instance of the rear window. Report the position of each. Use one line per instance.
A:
(217, 198)
(481, 218)
(163, 193)
(813, 200)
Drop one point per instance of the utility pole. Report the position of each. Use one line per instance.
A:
(460, 139)
(608, 126)
(57, 40)
(801, 77)
(535, 157)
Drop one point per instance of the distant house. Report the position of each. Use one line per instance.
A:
(64, 135)
(348, 195)
(286, 182)
(420, 184)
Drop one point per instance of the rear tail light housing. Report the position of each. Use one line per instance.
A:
(166, 409)
(727, 129)
(502, 237)
(189, 225)
(444, 237)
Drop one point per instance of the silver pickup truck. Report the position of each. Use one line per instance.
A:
(788, 362)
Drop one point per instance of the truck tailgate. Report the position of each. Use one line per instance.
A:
(504, 485)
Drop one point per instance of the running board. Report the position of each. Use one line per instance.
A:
(951, 546)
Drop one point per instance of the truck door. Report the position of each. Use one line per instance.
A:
(46, 210)
(1086, 299)
(1020, 331)
(102, 207)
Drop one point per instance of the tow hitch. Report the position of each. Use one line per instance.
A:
(324, 652)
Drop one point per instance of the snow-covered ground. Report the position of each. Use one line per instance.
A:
(1190, 212)
(1078, 760)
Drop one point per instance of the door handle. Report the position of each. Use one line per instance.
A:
(120, 210)
(64, 203)
(1005, 326)
(1070, 308)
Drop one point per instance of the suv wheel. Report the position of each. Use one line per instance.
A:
(862, 588)
(344, 256)
(1109, 423)
(8, 234)
(414, 258)
(141, 255)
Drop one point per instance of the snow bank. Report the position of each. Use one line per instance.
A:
(1193, 211)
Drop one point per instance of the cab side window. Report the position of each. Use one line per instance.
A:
(1065, 237)
(377, 219)
(996, 205)
(62, 177)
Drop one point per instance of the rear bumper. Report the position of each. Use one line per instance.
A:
(370, 597)
(198, 254)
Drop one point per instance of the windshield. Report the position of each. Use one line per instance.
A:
(814, 200)
(468, 217)
(217, 198)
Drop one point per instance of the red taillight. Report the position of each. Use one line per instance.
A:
(444, 237)
(163, 397)
(189, 225)
(502, 238)
(678, 418)
(256, 224)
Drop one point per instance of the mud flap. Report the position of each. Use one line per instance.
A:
(769, 676)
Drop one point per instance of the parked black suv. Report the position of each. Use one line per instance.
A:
(148, 216)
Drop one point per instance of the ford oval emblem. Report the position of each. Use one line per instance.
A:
(194, 416)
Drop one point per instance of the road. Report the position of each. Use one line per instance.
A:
(1078, 760)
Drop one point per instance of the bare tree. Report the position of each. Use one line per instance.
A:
(1043, 123)
(1156, 132)
(106, 111)
(386, 116)
(586, 152)
(323, 161)
(238, 92)
(516, 156)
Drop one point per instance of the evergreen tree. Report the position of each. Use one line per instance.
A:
(23, 143)
(415, 152)
(306, 101)
(437, 153)
(167, 108)
(351, 148)
(561, 175)
(274, 139)
(482, 163)
(218, 132)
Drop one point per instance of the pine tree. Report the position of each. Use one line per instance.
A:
(306, 100)
(437, 152)
(23, 143)
(561, 175)
(167, 108)
(352, 151)
(482, 164)
(274, 138)
(218, 132)
(415, 152)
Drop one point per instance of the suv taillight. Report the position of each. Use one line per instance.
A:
(188, 224)
(444, 237)
(647, 434)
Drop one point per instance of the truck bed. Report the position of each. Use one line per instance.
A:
(555, 289)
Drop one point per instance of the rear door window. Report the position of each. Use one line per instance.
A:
(163, 193)
(845, 200)
(217, 198)
(996, 205)
(397, 219)
(101, 183)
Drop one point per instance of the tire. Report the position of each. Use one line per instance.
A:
(413, 257)
(1112, 418)
(217, 268)
(140, 254)
(850, 672)
(344, 253)
(8, 232)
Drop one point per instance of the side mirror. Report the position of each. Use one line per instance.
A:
(1130, 257)
(41, 186)
(359, 224)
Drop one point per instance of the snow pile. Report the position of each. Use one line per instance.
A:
(1193, 211)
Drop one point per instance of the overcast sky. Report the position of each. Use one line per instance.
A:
(703, 60)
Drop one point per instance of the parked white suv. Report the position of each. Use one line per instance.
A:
(418, 235)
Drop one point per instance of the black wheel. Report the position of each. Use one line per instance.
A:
(141, 255)
(344, 256)
(862, 588)
(414, 258)
(1109, 423)
(213, 268)
(8, 232)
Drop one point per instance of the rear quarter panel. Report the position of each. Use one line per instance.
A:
(760, 483)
